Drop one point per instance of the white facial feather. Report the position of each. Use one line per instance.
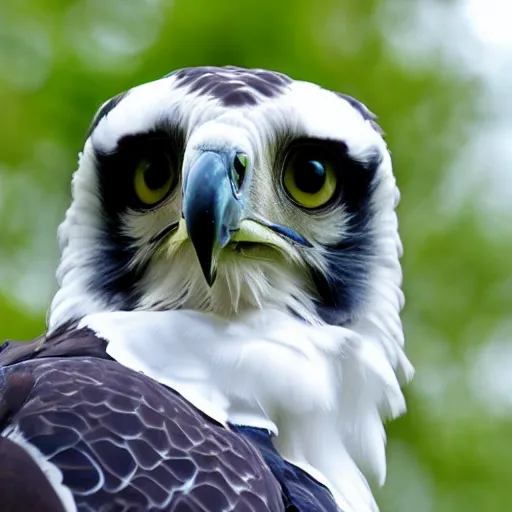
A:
(325, 389)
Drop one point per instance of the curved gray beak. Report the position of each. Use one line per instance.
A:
(211, 208)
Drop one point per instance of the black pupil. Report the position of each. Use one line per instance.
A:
(239, 172)
(309, 174)
(156, 174)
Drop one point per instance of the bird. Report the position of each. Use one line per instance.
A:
(226, 332)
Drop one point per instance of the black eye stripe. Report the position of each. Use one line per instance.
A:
(355, 177)
(104, 110)
(162, 147)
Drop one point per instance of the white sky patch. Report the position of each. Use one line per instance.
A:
(491, 21)
(474, 37)
(483, 171)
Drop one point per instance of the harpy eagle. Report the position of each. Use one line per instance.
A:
(226, 332)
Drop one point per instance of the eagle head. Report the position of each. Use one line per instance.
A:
(233, 234)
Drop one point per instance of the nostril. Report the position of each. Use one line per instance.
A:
(239, 167)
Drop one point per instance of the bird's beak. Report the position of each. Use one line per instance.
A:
(211, 208)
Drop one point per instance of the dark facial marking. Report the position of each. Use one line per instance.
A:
(164, 232)
(232, 86)
(161, 148)
(288, 233)
(342, 287)
(272, 77)
(239, 98)
(115, 278)
(108, 107)
(363, 110)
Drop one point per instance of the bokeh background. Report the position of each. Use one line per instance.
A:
(435, 72)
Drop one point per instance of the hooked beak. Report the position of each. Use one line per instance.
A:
(212, 214)
(211, 208)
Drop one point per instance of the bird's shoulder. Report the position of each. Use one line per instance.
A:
(64, 342)
(120, 437)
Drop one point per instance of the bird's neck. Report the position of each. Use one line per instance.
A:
(319, 389)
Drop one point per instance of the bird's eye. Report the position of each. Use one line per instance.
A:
(309, 177)
(239, 168)
(153, 180)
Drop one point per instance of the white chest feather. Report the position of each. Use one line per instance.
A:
(321, 390)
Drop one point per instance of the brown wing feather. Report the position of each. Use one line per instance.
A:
(78, 342)
(122, 440)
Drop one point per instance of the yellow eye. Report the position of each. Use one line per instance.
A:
(309, 177)
(153, 180)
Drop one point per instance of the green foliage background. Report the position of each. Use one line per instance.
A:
(61, 59)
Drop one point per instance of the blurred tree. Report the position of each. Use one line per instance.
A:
(61, 59)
